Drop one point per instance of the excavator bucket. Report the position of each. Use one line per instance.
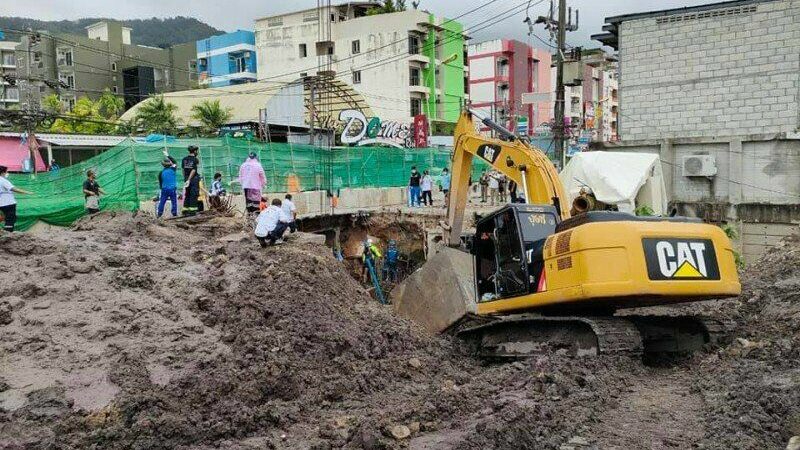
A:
(440, 292)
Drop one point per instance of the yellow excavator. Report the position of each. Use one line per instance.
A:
(531, 277)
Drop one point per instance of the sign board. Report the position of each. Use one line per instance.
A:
(530, 98)
(420, 131)
(522, 125)
(360, 131)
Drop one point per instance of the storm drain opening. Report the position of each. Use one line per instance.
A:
(401, 241)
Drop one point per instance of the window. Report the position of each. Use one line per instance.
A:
(356, 77)
(416, 106)
(303, 51)
(303, 74)
(68, 103)
(67, 79)
(12, 93)
(65, 57)
(414, 77)
(276, 21)
(114, 89)
(413, 45)
(329, 50)
(9, 59)
(37, 57)
(240, 64)
(333, 17)
(356, 47)
(310, 16)
(114, 66)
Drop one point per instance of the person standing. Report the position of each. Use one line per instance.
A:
(501, 190)
(191, 178)
(446, 186)
(512, 190)
(253, 180)
(91, 192)
(291, 212)
(413, 184)
(426, 186)
(484, 182)
(494, 187)
(8, 204)
(168, 183)
(271, 224)
(371, 254)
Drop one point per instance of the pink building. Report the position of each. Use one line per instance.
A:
(500, 71)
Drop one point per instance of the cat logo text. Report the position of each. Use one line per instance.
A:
(681, 259)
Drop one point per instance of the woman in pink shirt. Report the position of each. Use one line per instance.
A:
(253, 180)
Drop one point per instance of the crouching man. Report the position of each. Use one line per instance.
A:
(272, 222)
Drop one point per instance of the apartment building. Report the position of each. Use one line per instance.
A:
(76, 66)
(591, 95)
(227, 59)
(500, 72)
(9, 94)
(404, 64)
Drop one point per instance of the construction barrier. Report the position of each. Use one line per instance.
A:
(128, 173)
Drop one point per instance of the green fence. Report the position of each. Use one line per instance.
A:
(129, 173)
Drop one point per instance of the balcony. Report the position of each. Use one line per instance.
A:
(417, 89)
(419, 58)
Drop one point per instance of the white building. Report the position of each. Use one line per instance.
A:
(403, 64)
(9, 95)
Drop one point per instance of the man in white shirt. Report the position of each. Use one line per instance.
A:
(8, 204)
(291, 211)
(494, 186)
(426, 186)
(271, 224)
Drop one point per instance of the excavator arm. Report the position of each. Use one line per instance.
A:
(529, 167)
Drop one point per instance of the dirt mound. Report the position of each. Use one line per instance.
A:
(125, 333)
(143, 335)
(752, 386)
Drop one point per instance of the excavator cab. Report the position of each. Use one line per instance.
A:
(508, 247)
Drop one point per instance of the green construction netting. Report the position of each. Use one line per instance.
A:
(128, 173)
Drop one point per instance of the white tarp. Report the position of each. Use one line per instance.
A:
(627, 180)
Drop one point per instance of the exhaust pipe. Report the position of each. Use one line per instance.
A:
(582, 204)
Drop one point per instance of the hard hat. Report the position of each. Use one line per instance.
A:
(369, 241)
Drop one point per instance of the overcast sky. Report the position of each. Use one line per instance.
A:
(232, 14)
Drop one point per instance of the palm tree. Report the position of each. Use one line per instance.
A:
(156, 115)
(211, 115)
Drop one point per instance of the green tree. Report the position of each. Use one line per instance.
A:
(388, 6)
(52, 104)
(156, 115)
(211, 116)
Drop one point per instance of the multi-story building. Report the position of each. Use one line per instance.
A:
(591, 102)
(713, 89)
(500, 72)
(227, 59)
(76, 66)
(9, 94)
(404, 64)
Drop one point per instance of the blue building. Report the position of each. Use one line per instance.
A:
(227, 59)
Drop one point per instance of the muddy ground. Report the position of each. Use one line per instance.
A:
(127, 334)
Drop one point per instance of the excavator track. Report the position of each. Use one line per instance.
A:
(524, 335)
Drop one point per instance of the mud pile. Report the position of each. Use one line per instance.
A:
(752, 387)
(140, 335)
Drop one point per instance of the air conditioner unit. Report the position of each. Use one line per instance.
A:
(699, 166)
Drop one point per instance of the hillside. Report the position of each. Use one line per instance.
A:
(154, 32)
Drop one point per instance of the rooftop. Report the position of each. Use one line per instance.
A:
(611, 35)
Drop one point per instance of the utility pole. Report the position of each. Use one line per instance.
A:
(559, 28)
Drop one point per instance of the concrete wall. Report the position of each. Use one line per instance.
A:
(756, 189)
(736, 73)
(316, 203)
